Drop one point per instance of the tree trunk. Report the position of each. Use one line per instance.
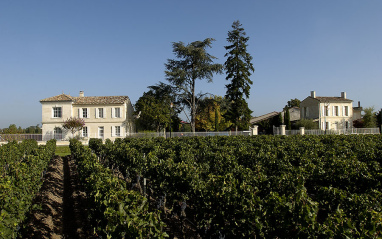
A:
(193, 106)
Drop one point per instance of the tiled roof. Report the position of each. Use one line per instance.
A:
(89, 100)
(332, 99)
(100, 100)
(263, 117)
(61, 97)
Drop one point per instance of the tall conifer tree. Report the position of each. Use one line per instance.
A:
(238, 68)
(287, 119)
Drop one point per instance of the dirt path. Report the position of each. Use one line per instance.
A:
(61, 212)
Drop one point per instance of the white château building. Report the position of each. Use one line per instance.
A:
(105, 116)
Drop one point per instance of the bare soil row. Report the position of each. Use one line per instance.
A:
(59, 210)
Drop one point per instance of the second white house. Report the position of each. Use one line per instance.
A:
(330, 112)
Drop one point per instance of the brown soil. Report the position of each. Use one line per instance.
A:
(62, 211)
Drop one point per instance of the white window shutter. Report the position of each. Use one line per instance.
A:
(79, 113)
(112, 132)
(96, 113)
(112, 112)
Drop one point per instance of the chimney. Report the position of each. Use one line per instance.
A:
(343, 95)
(359, 104)
(82, 93)
(313, 94)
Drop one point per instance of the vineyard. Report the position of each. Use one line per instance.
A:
(213, 187)
(244, 187)
(22, 166)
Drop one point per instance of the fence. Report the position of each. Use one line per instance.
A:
(281, 131)
(293, 132)
(190, 134)
(62, 137)
(343, 131)
(20, 137)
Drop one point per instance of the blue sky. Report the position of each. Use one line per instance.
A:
(120, 48)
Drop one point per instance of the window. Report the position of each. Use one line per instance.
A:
(57, 112)
(327, 126)
(117, 130)
(117, 112)
(85, 132)
(346, 110)
(99, 113)
(326, 111)
(57, 133)
(335, 110)
(347, 124)
(100, 132)
(84, 112)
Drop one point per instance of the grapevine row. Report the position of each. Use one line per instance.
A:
(264, 186)
(115, 210)
(22, 168)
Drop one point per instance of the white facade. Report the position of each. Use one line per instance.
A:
(329, 112)
(105, 117)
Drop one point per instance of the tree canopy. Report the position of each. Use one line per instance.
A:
(192, 63)
(238, 68)
(73, 124)
(306, 123)
(369, 118)
(287, 120)
(293, 103)
(13, 129)
(154, 108)
(209, 116)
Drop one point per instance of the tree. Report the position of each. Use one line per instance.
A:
(369, 118)
(293, 103)
(379, 119)
(238, 68)
(154, 113)
(33, 130)
(307, 124)
(279, 120)
(287, 119)
(209, 114)
(193, 63)
(73, 124)
(154, 108)
(12, 129)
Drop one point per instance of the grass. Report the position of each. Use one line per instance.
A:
(62, 151)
